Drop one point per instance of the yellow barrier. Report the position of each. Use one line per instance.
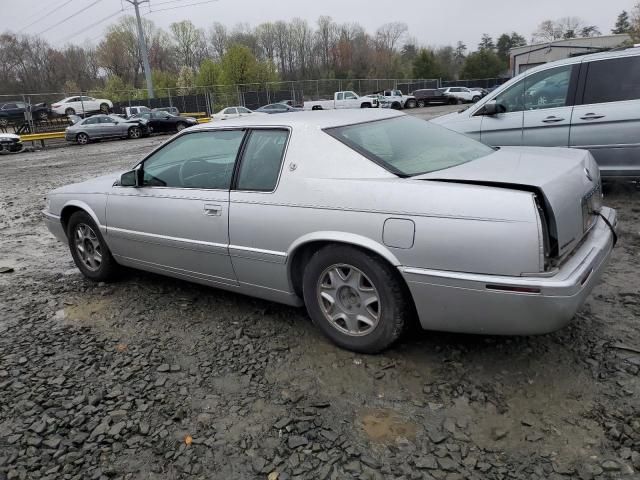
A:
(194, 114)
(203, 120)
(32, 137)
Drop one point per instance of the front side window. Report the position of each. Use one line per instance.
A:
(547, 89)
(261, 160)
(230, 111)
(196, 160)
(244, 110)
(613, 80)
(512, 99)
(340, 96)
(91, 121)
(409, 146)
(9, 106)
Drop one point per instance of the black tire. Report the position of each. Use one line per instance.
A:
(82, 139)
(180, 126)
(410, 104)
(69, 111)
(476, 98)
(134, 132)
(393, 308)
(421, 103)
(107, 268)
(43, 116)
(365, 105)
(316, 107)
(396, 106)
(4, 122)
(104, 108)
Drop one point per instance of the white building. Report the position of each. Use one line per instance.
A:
(523, 58)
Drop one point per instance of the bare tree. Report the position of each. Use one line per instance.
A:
(389, 34)
(218, 39)
(190, 43)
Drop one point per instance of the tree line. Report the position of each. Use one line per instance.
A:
(185, 56)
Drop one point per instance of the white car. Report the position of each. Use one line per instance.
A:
(462, 93)
(234, 112)
(81, 105)
(344, 99)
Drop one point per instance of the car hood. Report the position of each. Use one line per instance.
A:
(101, 184)
(9, 136)
(446, 118)
(564, 178)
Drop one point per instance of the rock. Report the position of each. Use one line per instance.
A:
(283, 422)
(273, 476)
(117, 428)
(6, 270)
(329, 435)
(429, 462)
(39, 426)
(295, 441)
(352, 467)
(370, 462)
(447, 464)
(610, 466)
(498, 433)
(436, 437)
(165, 367)
(534, 436)
(22, 360)
(258, 464)
(52, 442)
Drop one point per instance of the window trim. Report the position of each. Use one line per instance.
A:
(240, 149)
(236, 171)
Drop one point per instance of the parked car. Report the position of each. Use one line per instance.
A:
(345, 99)
(431, 96)
(171, 110)
(234, 112)
(482, 91)
(82, 105)
(158, 122)
(278, 108)
(98, 127)
(365, 217)
(292, 103)
(14, 112)
(462, 93)
(10, 143)
(590, 102)
(396, 99)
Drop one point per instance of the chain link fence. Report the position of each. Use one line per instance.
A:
(34, 112)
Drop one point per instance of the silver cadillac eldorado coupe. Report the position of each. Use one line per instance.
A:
(370, 218)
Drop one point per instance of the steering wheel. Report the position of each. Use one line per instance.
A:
(181, 170)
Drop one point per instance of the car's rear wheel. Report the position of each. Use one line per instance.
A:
(180, 126)
(410, 104)
(134, 132)
(355, 298)
(316, 107)
(365, 105)
(43, 116)
(104, 108)
(4, 122)
(88, 249)
(69, 111)
(421, 103)
(82, 139)
(475, 98)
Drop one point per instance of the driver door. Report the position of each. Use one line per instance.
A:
(505, 129)
(177, 221)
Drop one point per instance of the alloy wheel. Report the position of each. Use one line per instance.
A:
(349, 300)
(88, 246)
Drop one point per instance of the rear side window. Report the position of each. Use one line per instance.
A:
(261, 160)
(613, 80)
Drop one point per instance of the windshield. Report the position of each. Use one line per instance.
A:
(408, 146)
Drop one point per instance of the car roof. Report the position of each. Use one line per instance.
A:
(307, 119)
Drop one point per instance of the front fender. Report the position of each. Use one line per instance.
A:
(96, 213)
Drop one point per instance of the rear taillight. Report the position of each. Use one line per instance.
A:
(543, 236)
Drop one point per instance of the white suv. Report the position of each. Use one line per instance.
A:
(462, 93)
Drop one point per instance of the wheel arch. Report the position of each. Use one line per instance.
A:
(73, 206)
(303, 248)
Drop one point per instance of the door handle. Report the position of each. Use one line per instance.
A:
(552, 119)
(591, 116)
(212, 210)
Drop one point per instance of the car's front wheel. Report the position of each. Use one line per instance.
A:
(4, 122)
(104, 108)
(421, 103)
(82, 139)
(69, 111)
(88, 249)
(475, 98)
(43, 116)
(134, 132)
(355, 298)
(181, 126)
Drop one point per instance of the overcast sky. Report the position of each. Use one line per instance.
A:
(432, 23)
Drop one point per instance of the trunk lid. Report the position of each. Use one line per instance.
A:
(566, 181)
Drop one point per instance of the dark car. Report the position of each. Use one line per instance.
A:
(278, 108)
(165, 122)
(14, 112)
(171, 110)
(429, 96)
(291, 103)
(10, 143)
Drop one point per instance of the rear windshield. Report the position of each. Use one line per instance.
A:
(408, 146)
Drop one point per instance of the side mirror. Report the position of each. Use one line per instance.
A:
(492, 108)
(132, 178)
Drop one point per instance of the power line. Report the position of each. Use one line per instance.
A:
(69, 17)
(49, 12)
(181, 6)
(88, 27)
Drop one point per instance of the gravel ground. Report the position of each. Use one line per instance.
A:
(154, 378)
